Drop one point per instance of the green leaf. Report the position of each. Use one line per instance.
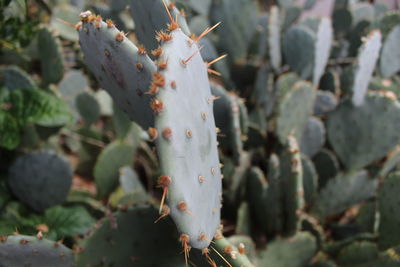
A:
(61, 221)
(10, 132)
(37, 106)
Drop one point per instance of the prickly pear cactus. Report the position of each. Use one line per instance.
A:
(52, 61)
(296, 251)
(150, 17)
(361, 135)
(40, 179)
(323, 44)
(274, 38)
(388, 197)
(187, 143)
(121, 68)
(367, 58)
(344, 191)
(21, 250)
(126, 237)
(390, 56)
(291, 185)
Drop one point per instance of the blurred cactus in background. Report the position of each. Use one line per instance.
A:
(203, 133)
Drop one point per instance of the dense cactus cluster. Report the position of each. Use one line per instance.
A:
(235, 133)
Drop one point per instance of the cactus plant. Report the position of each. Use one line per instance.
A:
(33, 251)
(40, 179)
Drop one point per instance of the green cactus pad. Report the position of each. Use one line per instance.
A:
(231, 253)
(389, 21)
(187, 142)
(388, 199)
(274, 211)
(291, 180)
(298, 49)
(324, 37)
(88, 107)
(51, 58)
(249, 246)
(310, 179)
(73, 84)
(12, 77)
(345, 191)
(367, 58)
(21, 250)
(119, 68)
(239, 20)
(243, 225)
(66, 13)
(227, 119)
(274, 38)
(313, 137)
(325, 102)
(294, 111)
(390, 57)
(362, 135)
(296, 251)
(40, 179)
(326, 165)
(150, 16)
(257, 187)
(106, 171)
(126, 237)
(359, 252)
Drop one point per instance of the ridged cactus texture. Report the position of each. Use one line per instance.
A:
(21, 250)
(40, 179)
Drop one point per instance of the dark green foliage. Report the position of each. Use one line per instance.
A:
(21, 107)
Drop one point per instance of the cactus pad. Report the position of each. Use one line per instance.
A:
(296, 251)
(367, 58)
(390, 56)
(126, 237)
(294, 111)
(388, 198)
(21, 250)
(40, 179)
(362, 135)
(120, 67)
(187, 143)
(344, 191)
